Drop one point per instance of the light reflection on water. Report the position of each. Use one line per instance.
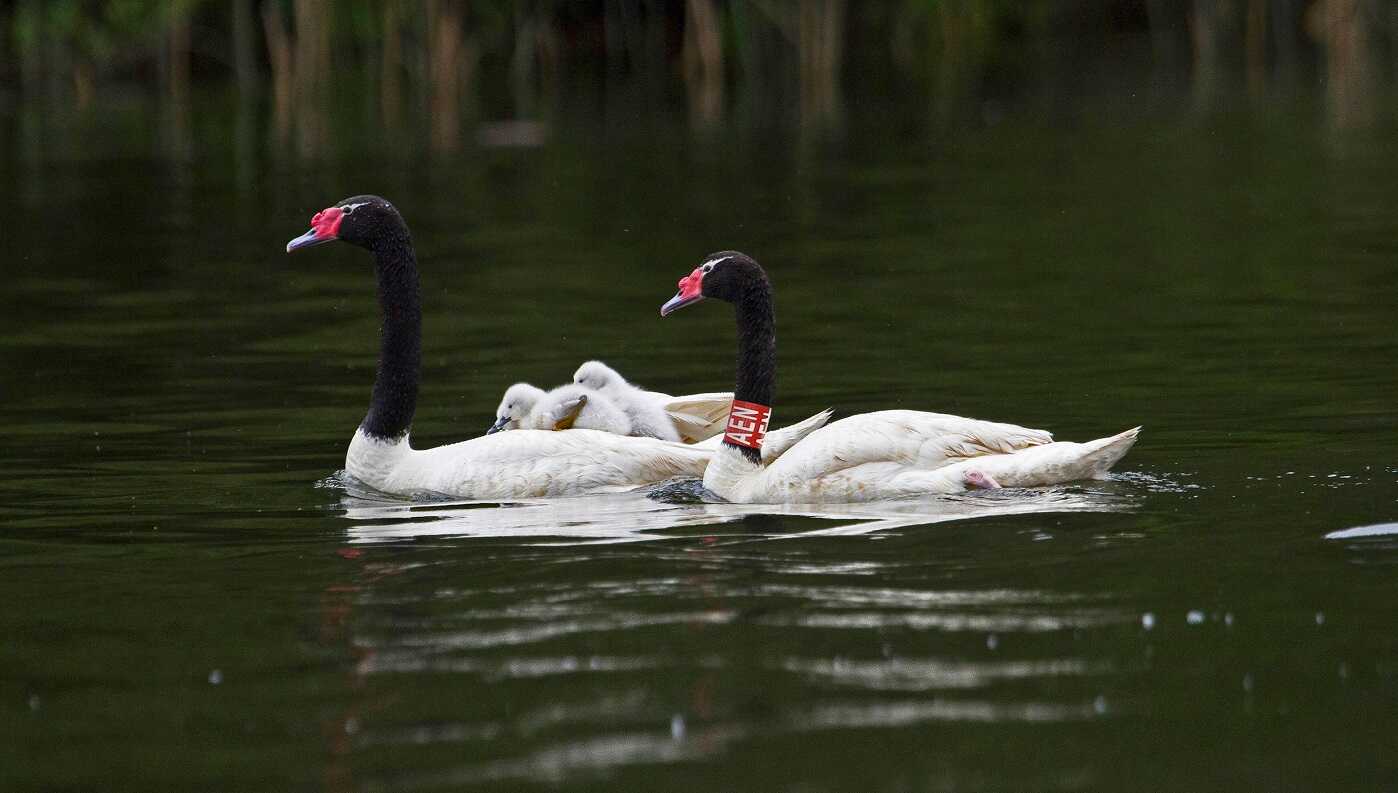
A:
(1376, 530)
(635, 517)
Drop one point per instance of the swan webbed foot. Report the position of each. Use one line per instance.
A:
(567, 412)
(979, 480)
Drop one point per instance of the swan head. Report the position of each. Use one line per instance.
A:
(517, 403)
(597, 376)
(362, 220)
(723, 275)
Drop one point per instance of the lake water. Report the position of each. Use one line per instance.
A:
(193, 600)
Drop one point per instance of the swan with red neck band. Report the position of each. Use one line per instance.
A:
(523, 464)
(871, 456)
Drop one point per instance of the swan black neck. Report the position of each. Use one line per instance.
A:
(394, 399)
(757, 349)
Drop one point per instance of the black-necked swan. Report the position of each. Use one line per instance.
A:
(694, 417)
(571, 406)
(871, 456)
(504, 465)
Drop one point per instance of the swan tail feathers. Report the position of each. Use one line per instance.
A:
(779, 440)
(1104, 453)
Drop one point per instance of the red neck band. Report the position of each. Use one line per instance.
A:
(747, 424)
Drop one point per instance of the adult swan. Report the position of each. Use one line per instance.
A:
(507, 465)
(871, 456)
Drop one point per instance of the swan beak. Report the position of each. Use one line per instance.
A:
(691, 291)
(499, 424)
(325, 227)
(308, 239)
(678, 302)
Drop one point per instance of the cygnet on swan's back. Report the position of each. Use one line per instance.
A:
(645, 409)
(574, 406)
(515, 406)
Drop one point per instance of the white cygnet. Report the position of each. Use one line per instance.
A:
(577, 407)
(645, 409)
(515, 407)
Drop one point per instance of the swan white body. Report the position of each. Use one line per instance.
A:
(689, 418)
(895, 454)
(522, 464)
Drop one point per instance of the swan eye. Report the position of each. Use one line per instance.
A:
(708, 268)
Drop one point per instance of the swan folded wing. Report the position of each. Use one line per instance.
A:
(699, 416)
(978, 438)
(534, 464)
(948, 436)
(1052, 463)
(910, 438)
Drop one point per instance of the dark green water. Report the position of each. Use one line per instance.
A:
(191, 602)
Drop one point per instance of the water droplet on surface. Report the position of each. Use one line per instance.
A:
(1194, 617)
(1099, 705)
(33, 701)
(1319, 618)
(677, 727)
(215, 677)
(1247, 682)
(351, 726)
(1228, 619)
(1147, 620)
(992, 641)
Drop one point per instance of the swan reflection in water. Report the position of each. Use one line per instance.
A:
(533, 636)
(650, 513)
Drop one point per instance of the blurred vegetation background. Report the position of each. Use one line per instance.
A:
(440, 68)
